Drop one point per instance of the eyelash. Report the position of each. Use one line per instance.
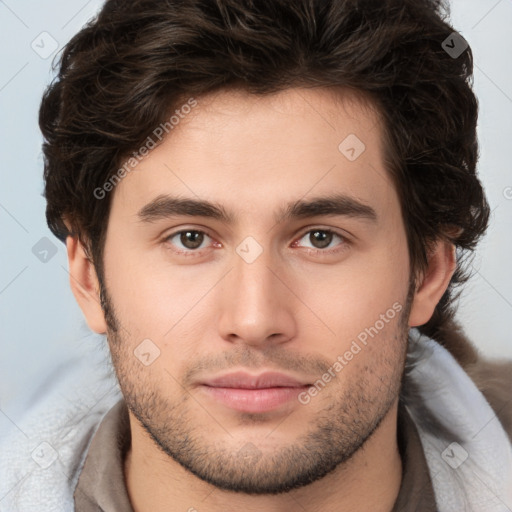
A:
(310, 250)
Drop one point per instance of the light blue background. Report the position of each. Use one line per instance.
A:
(41, 325)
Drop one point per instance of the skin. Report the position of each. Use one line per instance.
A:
(293, 309)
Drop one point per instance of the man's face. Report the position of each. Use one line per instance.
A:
(317, 293)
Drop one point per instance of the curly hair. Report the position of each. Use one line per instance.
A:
(128, 68)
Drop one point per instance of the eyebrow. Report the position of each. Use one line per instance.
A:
(165, 206)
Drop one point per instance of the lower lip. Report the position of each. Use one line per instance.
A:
(254, 400)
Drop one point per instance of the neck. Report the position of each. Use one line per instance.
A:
(370, 480)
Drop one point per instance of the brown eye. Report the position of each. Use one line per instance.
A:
(191, 239)
(188, 239)
(320, 239)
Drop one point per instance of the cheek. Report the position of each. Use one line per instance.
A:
(352, 296)
(154, 299)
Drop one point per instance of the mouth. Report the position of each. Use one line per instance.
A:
(253, 393)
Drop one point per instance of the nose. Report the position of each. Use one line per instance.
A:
(256, 305)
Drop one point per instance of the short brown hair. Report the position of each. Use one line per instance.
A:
(126, 70)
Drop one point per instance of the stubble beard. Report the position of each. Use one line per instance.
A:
(333, 436)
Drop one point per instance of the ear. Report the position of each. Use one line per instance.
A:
(85, 285)
(434, 282)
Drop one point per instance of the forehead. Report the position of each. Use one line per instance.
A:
(253, 152)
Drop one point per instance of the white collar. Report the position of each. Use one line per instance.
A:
(468, 452)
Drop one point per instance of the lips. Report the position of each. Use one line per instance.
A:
(242, 380)
(249, 393)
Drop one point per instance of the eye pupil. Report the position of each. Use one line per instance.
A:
(320, 239)
(191, 239)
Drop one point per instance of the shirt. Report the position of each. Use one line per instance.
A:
(101, 485)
